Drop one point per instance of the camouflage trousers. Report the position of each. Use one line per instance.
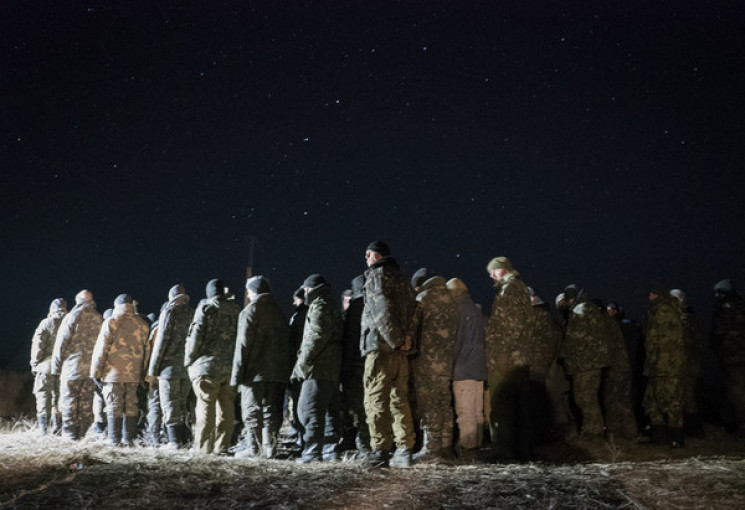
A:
(46, 392)
(99, 406)
(76, 406)
(619, 414)
(173, 396)
(734, 378)
(469, 409)
(215, 412)
(353, 405)
(121, 399)
(434, 410)
(586, 386)
(386, 381)
(261, 410)
(510, 420)
(663, 401)
(154, 411)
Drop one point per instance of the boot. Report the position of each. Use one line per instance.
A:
(429, 453)
(401, 458)
(657, 434)
(184, 435)
(99, 430)
(56, 423)
(173, 442)
(250, 448)
(675, 437)
(41, 420)
(376, 459)
(115, 431)
(311, 453)
(129, 430)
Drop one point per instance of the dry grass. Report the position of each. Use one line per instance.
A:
(52, 472)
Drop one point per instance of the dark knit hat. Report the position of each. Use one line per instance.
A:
(258, 284)
(724, 287)
(612, 305)
(358, 285)
(571, 291)
(299, 293)
(108, 313)
(83, 296)
(379, 247)
(176, 290)
(499, 263)
(123, 299)
(420, 276)
(215, 288)
(313, 281)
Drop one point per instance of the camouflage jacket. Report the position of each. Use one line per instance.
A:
(121, 348)
(510, 326)
(585, 346)
(692, 342)
(728, 330)
(352, 318)
(389, 305)
(42, 343)
(319, 357)
(618, 352)
(470, 347)
(665, 352)
(433, 330)
(76, 338)
(167, 357)
(210, 343)
(547, 337)
(262, 349)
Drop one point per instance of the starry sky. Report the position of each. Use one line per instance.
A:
(147, 143)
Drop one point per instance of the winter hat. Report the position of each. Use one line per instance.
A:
(358, 286)
(108, 313)
(176, 290)
(420, 276)
(724, 287)
(313, 281)
(215, 288)
(538, 299)
(152, 317)
(123, 299)
(612, 305)
(299, 293)
(499, 263)
(83, 296)
(456, 286)
(379, 247)
(571, 291)
(679, 295)
(258, 284)
(58, 305)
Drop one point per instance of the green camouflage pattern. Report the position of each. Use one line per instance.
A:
(121, 348)
(546, 342)
(510, 327)
(262, 350)
(692, 342)
(585, 346)
(586, 385)
(618, 352)
(433, 329)
(665, 351)
(319, 357)
(76, 338)
(663, 401)
(728, 330)
(389, 305)
(167, 358)
(210, 343)
(42, 343)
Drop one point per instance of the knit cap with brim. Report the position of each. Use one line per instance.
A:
(499, 263)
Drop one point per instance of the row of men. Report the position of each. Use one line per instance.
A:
(429, 331)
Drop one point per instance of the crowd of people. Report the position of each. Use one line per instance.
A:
(404, 371)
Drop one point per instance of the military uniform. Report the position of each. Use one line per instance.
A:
(665, 368)
(167, 364)
(46, 386)
(389, 305)
(585, 354)
(318, 366)
(209, 350)
(118, 361)
(433, 329)
(261, 369)
(71, 359)
(617, 387)
(509, 346)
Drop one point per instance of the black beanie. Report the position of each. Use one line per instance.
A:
(420, 276)
(313, 281)
(258, 284)
(358, 285)
(571, 291)
(215, 288)
(123, 299)
(379, 247)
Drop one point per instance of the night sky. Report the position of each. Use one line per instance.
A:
(145, 143)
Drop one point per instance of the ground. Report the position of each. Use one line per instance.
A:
(52, 472)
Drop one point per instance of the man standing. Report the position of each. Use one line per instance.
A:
(469, 370)
(118, 364)
(71, 361)
(209, 356)
(46, 386)
(389, 306)
(665, 368)
(433, 329)
(509, 346)
(261, 367)
(318, 367)
(166, 367)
